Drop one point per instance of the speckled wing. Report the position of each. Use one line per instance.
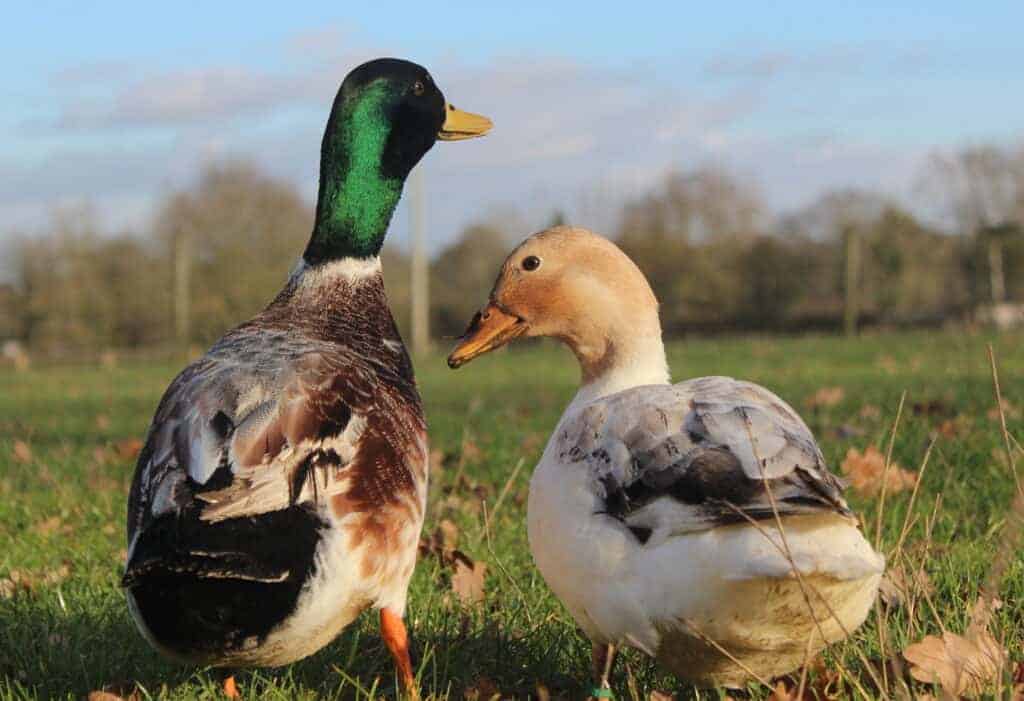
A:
(688, 457)
(265, 421)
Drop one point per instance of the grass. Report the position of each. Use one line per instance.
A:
(65, 629)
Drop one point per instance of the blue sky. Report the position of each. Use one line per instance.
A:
(115, 104)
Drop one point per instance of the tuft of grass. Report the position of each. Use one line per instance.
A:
(65, 630)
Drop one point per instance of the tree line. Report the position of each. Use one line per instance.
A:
(716, 257)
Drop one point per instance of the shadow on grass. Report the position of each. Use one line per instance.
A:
(64, 644)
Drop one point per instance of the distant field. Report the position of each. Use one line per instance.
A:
(66, 459)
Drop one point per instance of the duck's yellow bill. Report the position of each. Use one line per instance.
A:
(460, 125)
(490, 328)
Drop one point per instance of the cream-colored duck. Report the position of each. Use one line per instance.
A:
(697, 521)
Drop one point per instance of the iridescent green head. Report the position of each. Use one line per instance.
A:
(386, 116)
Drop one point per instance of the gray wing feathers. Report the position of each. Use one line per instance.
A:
(698, 454)
(259, 414)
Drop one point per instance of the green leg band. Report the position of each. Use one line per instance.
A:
(601, 693)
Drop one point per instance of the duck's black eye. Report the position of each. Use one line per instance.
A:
(531, 263)
(418, 88)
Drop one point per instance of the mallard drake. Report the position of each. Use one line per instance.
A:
(282, 484)
(694, 521)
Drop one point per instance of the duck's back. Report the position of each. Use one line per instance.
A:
(282, 483)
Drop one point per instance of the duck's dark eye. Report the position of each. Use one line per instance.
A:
(418, 88)
(531, 263)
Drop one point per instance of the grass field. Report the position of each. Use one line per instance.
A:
(66, 459)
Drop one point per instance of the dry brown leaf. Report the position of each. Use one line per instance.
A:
(956, 427)
(889, 364)
(447, 534)
(442, 542)
(21, 452)
(866, 470)
(483, 689)
(532, 442)
(1010, 411)
(20, 582)
(899, 586)
(48, 526)
(825, 397)
(436, 461)
(13, 584)
(468, 579)
(960, 665)
(869, 411)
(127, 691)
(129, 448)
(781, 693)
(981, 615)
(470, 452)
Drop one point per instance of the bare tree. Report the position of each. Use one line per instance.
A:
(231, 239)
(983, 187)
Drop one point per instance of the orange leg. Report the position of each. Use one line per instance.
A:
(392, 629)
(230, 689)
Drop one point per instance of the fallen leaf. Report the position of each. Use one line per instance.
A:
(899, 586)
(468, 579)
(21, 452)
(48, 526)
(869, 411)
(1010, 411)
(889, 364)
(781, 693)
(125, 691)
(13, 584)
(129, 448)
(866, 470)
(956, 427)
(436, 461)
(532, 442)
(962, 666)
(470, 452)
(448, 534)
(981, 615)
(20, 582)
(825, 397)
(483, 689)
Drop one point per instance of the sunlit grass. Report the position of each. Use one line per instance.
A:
(66, 631)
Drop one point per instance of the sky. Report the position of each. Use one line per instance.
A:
(114, 104)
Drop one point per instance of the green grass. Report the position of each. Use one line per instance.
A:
(64, 506)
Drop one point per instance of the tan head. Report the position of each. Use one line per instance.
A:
(573, 285)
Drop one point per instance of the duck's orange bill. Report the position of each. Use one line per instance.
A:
(490, 328)
(459, 125)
